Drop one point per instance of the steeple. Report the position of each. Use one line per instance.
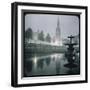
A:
(58, 31)
(58, 26)
(58, 22)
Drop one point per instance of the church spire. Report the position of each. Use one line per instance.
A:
(58, 31)
(58, 22)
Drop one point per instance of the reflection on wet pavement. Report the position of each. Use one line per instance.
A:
(53, 64)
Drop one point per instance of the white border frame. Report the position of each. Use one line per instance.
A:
(46, 79)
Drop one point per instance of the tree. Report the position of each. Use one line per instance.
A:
(41, 36)
(29, 33)
(48, 38)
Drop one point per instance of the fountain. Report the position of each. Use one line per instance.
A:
(70, 54)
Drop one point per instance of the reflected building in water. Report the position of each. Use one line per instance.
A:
(52, 64)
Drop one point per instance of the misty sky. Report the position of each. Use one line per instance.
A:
(69, 25)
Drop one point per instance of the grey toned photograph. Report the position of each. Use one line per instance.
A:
(51, 45)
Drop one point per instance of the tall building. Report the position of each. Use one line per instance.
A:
(58, 33)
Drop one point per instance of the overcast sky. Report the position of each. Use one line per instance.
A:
(69, 25)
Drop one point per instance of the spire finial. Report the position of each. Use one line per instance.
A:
(58, 22)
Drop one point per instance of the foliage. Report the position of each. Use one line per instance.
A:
(29, 33)
(41, 36)
(48, 38)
